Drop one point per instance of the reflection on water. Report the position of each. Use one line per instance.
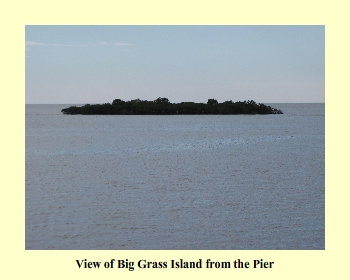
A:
(175, 182)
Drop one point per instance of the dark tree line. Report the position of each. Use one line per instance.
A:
(162, 106)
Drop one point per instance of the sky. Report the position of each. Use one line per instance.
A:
(97, 64)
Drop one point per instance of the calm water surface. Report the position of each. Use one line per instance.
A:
(175, 182)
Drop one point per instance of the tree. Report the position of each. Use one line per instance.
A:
(117, 101)
(162, 106)
(212, 102)
(137, 100)
(161, 100)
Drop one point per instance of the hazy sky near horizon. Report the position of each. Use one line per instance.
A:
(97, 64)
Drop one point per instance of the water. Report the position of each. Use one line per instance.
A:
(175, 182)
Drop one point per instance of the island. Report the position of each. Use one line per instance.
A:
(162, 106)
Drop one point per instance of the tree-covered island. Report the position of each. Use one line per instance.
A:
(162, 106)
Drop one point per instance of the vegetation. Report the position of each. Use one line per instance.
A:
(162, 106)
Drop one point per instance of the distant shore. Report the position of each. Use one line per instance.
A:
(162, 106)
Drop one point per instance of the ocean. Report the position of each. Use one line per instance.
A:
(199, 182)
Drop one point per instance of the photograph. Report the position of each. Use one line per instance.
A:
(174, 137)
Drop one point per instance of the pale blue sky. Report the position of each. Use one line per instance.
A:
(96, 64)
